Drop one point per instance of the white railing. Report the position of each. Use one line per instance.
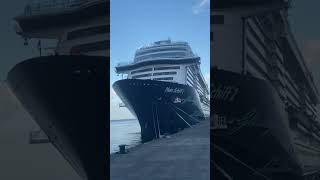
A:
(36, 7)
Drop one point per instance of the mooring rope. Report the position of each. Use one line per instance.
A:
(239, 161)
(157, 119)
(225, 174)
(154, 122)
(181, 117)
(184, 112)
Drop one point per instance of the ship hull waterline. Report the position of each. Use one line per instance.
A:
(160, 107)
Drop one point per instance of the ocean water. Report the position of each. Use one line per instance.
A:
(124, 132)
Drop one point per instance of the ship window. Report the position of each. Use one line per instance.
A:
(189, 76)
(164, 68)
(142, 70)
(87, 32)
(162, 55)
(166, 78)
(97, 46)
(217, 19)
(257, 52)
(164, 73)
(190, 82)
(142, 75)
(162, 49)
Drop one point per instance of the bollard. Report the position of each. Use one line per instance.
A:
(122, 149)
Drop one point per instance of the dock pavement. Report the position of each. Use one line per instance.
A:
(181, 156)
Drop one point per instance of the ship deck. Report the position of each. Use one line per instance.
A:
(185, 156)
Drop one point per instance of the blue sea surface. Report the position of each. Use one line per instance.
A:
(126, 131)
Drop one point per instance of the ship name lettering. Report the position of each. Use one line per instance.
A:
(225, 93)
(174, 90)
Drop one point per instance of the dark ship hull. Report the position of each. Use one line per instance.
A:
(67, 97)
(250, 131)
(161, 107)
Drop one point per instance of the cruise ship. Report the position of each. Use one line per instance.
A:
(164, 88)
(65, 89)
(265, 122)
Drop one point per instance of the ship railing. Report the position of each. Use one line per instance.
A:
(154, 59)
(123, 64)
(38, 7)
(139, 59)
(49, 51)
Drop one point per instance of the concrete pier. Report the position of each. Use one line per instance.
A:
(183, 156)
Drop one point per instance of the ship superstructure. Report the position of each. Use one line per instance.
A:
(80, 26)
(256, 55)
(169, 61)
(175, 69)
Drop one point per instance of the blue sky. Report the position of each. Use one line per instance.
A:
(140, 22)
